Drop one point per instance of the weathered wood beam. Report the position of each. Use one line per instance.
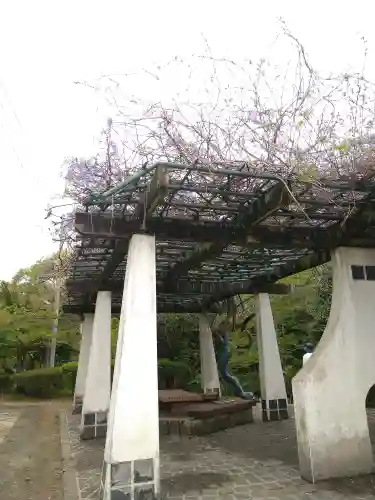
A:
(182, 287)
(118, 255)
(257, 210)
(102, 225)
(293, 267)
(357, 229)
(153, 196)
(161, 308)
(264, 206)
(206, 251)
(308, 215)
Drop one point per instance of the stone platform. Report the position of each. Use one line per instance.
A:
(173, 400)
(189, 414)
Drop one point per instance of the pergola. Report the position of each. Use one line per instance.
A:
(216, 231)
(221, 230)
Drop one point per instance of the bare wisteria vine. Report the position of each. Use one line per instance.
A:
(283, 118)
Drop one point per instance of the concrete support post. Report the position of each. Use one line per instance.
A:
(98, 379)
(330, 390)
(209, 372)
(131, 457)
(83, 362)
(272, 384)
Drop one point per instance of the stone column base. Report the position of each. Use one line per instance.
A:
(130, 480)
(212, 391)
(274, 409)
(93, 425)
(77, 405)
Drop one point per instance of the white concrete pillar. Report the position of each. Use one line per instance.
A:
(209, 372)
(131, 457)
(272, 383)
(83, 361)
(98, 379)
(330, 390)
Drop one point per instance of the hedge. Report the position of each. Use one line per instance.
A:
(69, 371)
(41, 383)
(173, 374)
(53, 382)
(69, 374)
(6, 382)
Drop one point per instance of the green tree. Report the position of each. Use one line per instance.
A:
(26, 318)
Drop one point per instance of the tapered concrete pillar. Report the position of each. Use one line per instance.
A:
(209, 371)
(330, 390)
(83, 361)
(131, 457)
(272, 383)
(98, 379)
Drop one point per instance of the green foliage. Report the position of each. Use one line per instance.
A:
(178, 338)
(70, 367)
(69, 374)
(173, 374)
(42, 383)
(26, 318)
(300, 316)
(6, 382)
(178, 351)
(114, 329)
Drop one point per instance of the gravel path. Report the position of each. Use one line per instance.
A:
(30, 454)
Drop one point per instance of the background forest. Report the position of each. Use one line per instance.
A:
(27, 317)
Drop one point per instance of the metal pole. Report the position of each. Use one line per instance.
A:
(52, 349)
(51, 355)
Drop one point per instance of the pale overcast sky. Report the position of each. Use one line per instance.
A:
(47, 45)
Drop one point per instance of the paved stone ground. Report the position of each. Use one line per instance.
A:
(255, 461)
(7, 419)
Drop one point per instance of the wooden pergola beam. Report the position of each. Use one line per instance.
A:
(296, 266)
(271, 237)
(354, 232)
(185, 287)
(257, 210)
(161, 308)
(117, 256)
(153, 196)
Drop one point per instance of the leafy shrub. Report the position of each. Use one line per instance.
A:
(41, 383)
(70, 367)
(195, 383)
(6, 382)
(173, 374)
(69, 375)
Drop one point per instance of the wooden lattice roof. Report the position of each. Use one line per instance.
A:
(220, 231)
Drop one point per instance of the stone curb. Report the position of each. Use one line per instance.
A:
(69, 475)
